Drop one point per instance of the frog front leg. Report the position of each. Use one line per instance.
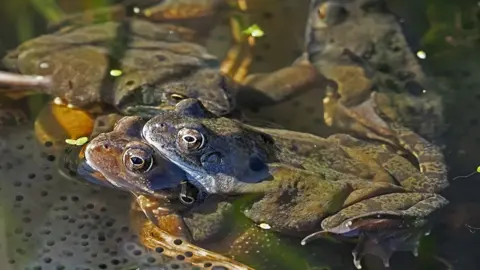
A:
(384, 224)
(167, 238)
(267, 89)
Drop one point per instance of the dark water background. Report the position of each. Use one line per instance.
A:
(39, 206)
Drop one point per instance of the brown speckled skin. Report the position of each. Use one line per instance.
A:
(305, 182)
(156, 57)
(157, 215)
(373, 57)
(106, 154)
(161, 63)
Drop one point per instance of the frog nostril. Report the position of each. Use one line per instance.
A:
(106, 146)
(161, 127)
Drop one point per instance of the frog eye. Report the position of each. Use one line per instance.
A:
(190, 139)
(176, 97)
(137, 160)
(331, 13)
(322, 11)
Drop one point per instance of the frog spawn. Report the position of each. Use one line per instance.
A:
(56, 223)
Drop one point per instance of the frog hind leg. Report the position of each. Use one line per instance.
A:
(429, 156)
(160, 232)
(384, 224)
(385, 244)
(403, 171)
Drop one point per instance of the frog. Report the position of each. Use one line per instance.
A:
(162, 64)
(209, 224)
(348, 187)
(372, 69)
(68, 57)
(161, 209)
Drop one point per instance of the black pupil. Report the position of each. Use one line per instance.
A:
(136, 160)
(190, 139)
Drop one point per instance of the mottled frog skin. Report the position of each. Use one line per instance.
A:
(206, 228)
(371, 192)
(361, 47)
(163, 214)
(121, 155)
(159, 65)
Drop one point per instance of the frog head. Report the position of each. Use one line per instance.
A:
(217, 153)
(128, 163)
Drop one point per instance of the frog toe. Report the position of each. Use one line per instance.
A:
(383, 245)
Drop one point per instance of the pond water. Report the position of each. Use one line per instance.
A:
(93, 58)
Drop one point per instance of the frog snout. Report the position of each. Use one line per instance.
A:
(155, 129)
(99, 144)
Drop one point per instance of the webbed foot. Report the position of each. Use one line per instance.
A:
(385, 244)
(380, 237)
(158, 239)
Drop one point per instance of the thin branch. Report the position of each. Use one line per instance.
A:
(12, 80)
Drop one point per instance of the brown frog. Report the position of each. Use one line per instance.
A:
(211, 224)
(122, 160)
(303, 182)
(79, 60)
(140, 67)
(362, 48)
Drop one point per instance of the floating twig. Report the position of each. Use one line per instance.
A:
(13, 80)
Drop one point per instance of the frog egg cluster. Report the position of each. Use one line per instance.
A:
(51, 222)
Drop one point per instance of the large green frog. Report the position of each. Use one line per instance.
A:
(303, 182)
